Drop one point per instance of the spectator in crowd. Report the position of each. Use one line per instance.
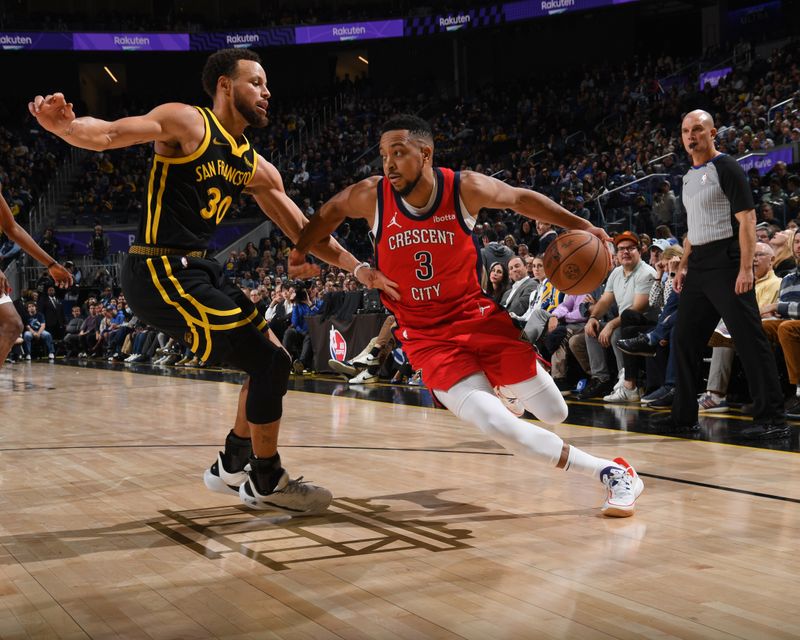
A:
(72, 340)
(99, 245)
(781, 243)
(498, 281)
(89, 334)
(546, 234)
(279, 313)
(9, 250)
(782, 326)
(516, 300)
(49, 243)
(664, 204)
(494, 251)
(36, 329)
(629, 287)
(50, 308)
(297, 339)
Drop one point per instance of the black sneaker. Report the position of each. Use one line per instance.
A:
(793, 410)
(665, 423)
(637, 346)
(664, 401)
(762, 431)
(596, 389)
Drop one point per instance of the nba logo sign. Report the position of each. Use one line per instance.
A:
(338, 345)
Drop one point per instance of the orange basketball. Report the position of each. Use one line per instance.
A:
(576, 262)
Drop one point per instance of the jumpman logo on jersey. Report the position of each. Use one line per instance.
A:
(483, 308)
(394, 222)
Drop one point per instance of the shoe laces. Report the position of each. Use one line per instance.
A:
(298, 486)
(618, 481)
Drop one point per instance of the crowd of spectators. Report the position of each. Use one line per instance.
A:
(573, 139)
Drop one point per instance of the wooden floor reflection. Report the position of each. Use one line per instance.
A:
(435, 531)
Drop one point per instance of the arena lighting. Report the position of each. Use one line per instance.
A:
(113, 77)
(363, 59)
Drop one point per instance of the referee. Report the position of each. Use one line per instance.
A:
(715, 279)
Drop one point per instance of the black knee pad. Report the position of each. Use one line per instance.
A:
(268, 385)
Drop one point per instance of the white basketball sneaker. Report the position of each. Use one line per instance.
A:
(218, 478)
(294, 497)
(510, 402)
(624, 485)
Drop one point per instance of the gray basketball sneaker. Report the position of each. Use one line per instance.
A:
(294, 497)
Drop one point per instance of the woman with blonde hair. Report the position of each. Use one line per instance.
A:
(781, 244)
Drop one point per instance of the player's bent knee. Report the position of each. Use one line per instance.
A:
(268, 385)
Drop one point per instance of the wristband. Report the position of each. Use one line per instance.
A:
(359, 266)
(54, 262)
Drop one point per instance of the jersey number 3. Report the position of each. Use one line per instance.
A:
(217, 205)
(425, 271)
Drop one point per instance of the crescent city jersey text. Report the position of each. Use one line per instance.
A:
(432, 256)
(188, 197)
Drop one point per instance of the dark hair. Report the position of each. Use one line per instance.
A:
(495, 293)
(416, 126)
(224, 63)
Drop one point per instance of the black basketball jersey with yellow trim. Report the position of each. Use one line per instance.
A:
(188, 197)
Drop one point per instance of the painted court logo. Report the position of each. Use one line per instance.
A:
(337, 344)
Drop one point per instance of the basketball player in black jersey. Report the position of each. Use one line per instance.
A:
(202, 162)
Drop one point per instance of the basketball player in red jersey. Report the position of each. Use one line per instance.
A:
(465, 343)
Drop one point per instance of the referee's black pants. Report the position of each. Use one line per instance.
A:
(709, 292)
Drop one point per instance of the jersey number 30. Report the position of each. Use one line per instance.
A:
(217, 205)
(425, 271)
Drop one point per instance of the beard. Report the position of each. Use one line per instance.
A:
(410, 186)
(250, 113)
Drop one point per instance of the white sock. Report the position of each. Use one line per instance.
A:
(797, 393)
(586, 463)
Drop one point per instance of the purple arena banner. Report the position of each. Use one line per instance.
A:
(349, 31)
(466, 19)
(130, 41)
(764, 161)
(42, 40)
(527, 9)
(712, 78)
(277, 37)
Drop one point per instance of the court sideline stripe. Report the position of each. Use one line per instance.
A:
(705, 485)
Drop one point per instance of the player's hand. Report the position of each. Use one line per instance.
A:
(5, 287)
(744, 281)
(53, 112)
(299, 268)
(62, 277)
(374, 279)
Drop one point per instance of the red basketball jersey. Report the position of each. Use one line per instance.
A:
(432, 257)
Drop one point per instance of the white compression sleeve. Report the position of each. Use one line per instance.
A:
(474, 401)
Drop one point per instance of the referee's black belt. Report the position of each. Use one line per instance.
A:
(152, 250)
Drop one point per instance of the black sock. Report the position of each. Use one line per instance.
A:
(265, 472)
(237, 452)
(374, 351)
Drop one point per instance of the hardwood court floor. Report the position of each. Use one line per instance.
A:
(107, 531)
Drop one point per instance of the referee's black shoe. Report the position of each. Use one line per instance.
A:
(664, 423)
(761, 431)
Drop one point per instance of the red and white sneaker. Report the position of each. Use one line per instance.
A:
(513, 404)
(624, 485)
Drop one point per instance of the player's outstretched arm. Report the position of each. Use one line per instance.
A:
(165, 123)
(61, 276)
(478, 191)
(356, 201)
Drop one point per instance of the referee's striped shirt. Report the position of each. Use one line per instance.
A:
(712, 194)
